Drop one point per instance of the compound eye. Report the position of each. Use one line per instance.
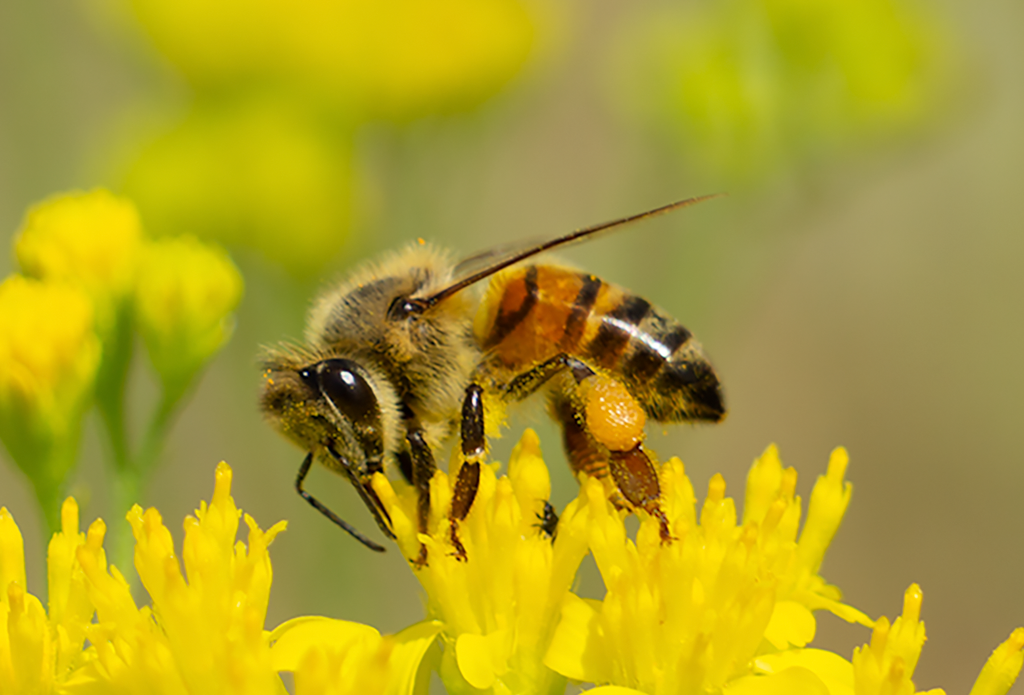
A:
(342, 384)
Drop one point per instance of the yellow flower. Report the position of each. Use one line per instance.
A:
(49, 355)
(186, 293)
(40, 650)
(726, 607)
(500, 606)
(888, 662)
(397, 58)
(87, 239)
(203, 633)
(218, 174)
(750, 86)
(884, 666)
(690, 615)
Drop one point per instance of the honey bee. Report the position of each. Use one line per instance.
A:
(400, 358)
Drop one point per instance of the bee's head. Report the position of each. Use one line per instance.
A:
(328, 406)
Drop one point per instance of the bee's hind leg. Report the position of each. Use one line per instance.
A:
(633, 474)
(474, 447)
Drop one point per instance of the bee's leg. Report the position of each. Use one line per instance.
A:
(361, 482)
(634, 474)
(317, 505)
(474, 446)
(529, 381)
(405, 465)
(421, 470)
(635, 477)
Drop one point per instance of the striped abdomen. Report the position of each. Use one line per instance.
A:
(533, 313)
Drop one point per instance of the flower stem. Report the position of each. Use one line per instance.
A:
(156, 433)
(127, 483)
(49, 498)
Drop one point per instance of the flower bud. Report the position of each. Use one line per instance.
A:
(183, 302)
(49, 354)
(90, 240)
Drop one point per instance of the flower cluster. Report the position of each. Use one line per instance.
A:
(750, 87)
(84, 258)
(725, 607)
(202, 633)
(264, 157)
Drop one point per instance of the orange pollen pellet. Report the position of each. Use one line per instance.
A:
(614, 417)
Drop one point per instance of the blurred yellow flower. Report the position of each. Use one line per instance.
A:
(394, 58)
(750, 87)
(691, 614)
(183, 302)
(265, 156)
(260, 174)
(39, 650)
(91, 240)
(49, 354)
(500, 607)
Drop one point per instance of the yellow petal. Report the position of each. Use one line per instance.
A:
(32, 653)
(12, 554)
(833, 670)
(292, 639)
(61, 558)
(530, 478)
(829, 500)
(763, 482)
(483, 658)
(792, 681)
(1002, 668)
(791, 624)
(577, 649)
(411, 644)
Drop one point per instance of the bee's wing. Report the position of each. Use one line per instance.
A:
(481, 265)
(494, 256)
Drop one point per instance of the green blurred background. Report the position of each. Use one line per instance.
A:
(860, 286)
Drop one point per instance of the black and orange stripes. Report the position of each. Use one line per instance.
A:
(514, 308)
(533, 313)
(581, 308)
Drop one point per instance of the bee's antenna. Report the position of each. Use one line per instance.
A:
(577, 235)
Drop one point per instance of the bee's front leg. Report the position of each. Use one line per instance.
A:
(474, 447)
(422, 467)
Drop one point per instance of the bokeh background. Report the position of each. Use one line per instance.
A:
(860, 286)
